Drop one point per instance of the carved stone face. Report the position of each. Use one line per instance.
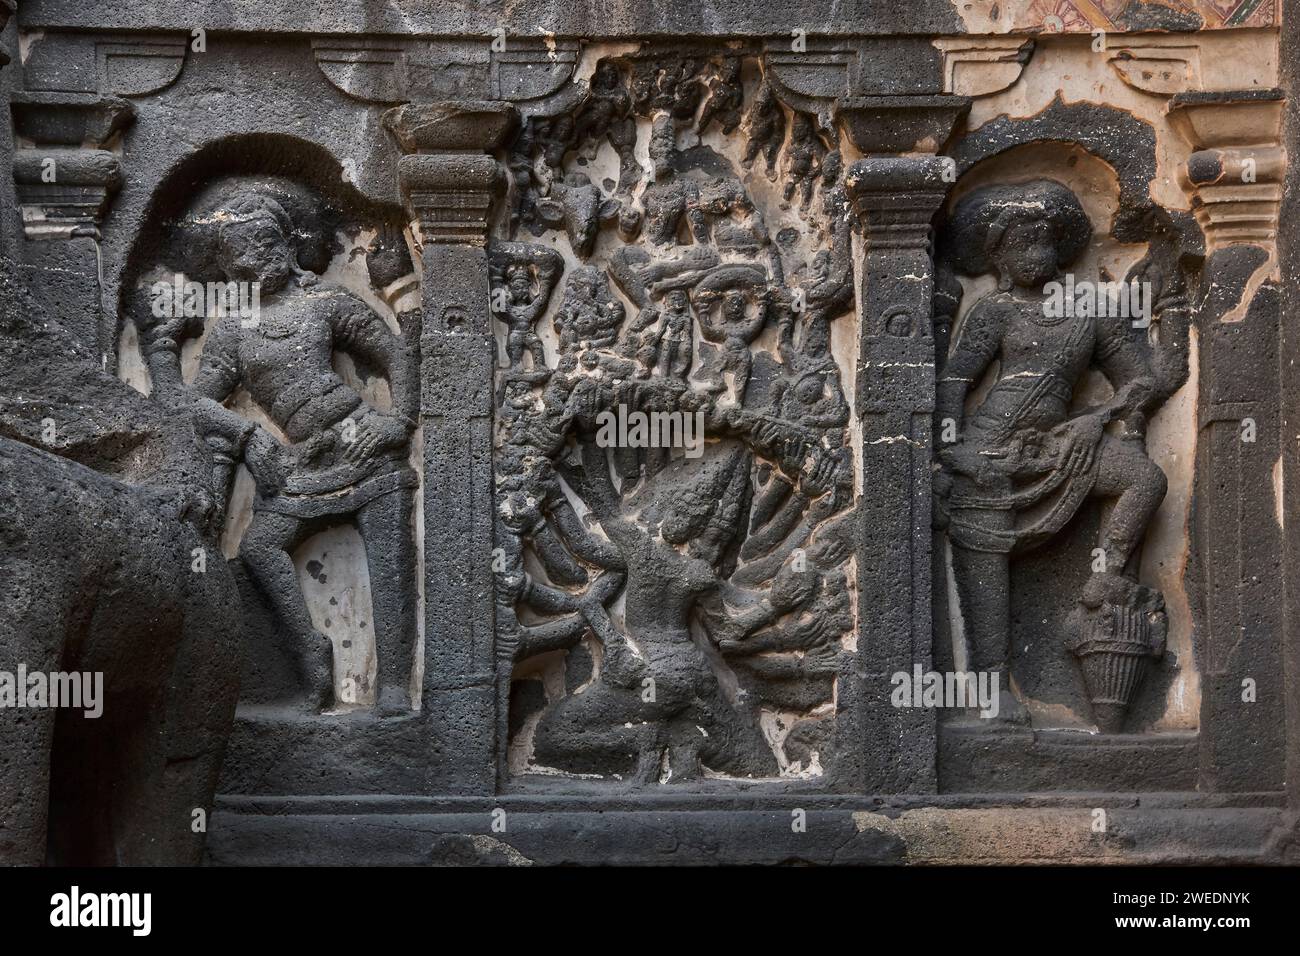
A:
(733, 306)
(256, 250)
(520, 284)
(1027, 254)
(677, 301)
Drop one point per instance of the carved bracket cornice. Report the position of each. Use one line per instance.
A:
(1235, 175)
(122, 64)
(982, 66)
(69, 119)
(901, 124)
(528, 72)
(1162, 65)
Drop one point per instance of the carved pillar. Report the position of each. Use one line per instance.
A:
(449, 182)
(896, 198)
(64, 182)
(7, 8)
(1234, 177)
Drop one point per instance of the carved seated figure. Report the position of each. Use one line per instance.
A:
(1023, 462)
(656, 702)
(345, 458)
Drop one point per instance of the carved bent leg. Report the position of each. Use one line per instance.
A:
(267, 551)
(601, 727)
(1137, 485)
(386, 529)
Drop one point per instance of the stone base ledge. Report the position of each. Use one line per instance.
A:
(528, 833)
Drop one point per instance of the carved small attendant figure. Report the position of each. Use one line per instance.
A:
(804, 159)
(825, 294)
(675, 346)
(345, 458)
(607, 113)
(590, 315)
(725, 214)
(1022, 464)
(744, 300)
(766, 130)
(726, 97)
(515, 262)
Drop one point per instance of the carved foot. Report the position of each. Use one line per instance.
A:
(393, 702)
(317, 672)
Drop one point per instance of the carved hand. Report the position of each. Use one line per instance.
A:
(1080, 438)
(375, 433)
(265, 459)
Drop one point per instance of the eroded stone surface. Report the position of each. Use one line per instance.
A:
(635, 425)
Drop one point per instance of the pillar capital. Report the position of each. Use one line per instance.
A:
(901, 124)
(1235, 174)
(66, 179)
(896, 197)
(449, 196)
(448, 180)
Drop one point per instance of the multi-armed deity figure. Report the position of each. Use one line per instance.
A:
(1024, 460)
(345, 457)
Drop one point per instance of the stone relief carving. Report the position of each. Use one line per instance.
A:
(1018, 460)
(657, 374)
(334, 456)
(699, 595)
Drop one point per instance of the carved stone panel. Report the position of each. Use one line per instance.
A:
(583, 432)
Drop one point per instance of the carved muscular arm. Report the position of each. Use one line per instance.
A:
(977, 344)
(359, 330)
(219, 371)
(225, 434)
(1122, 360)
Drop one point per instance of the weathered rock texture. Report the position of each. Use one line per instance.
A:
(594, 420)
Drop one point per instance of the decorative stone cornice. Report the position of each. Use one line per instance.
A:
(534, 73)
(982, 66)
